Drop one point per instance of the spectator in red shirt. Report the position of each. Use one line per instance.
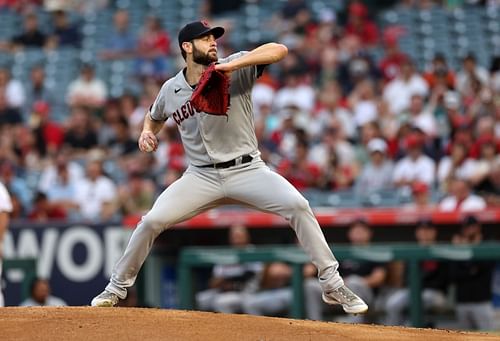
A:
(153, 47)
(301, 173)
(393, 59)
(43, 210)
(360, 25)
(49, 135)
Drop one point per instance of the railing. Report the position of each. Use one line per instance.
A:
(412, 254)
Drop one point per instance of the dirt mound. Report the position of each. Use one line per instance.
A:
(85, 323)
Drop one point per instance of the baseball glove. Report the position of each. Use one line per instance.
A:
(212, 92)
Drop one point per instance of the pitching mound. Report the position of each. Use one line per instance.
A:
(85, 323)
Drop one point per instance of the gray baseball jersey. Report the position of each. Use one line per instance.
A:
(209, 138)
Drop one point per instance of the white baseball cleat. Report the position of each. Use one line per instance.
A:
(105, 299)
(350, 302)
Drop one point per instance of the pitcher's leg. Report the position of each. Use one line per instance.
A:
(186, 197)
(269, 191)
(266, 190)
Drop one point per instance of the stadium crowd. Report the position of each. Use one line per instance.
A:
(329, 117)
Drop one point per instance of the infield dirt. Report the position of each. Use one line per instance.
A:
(113, 324)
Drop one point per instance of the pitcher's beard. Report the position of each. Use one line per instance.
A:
(203, 58)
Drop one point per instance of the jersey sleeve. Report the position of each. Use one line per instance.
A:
(245, 77)
(157, 110)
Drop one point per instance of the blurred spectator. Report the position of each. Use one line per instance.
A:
(38, 91)
(295, 92)
(120, 42)
(397, 93)
(122, 143)
(80, 131)
(64, 33)
(231, 283)
(421, 198)
(336, 174)
(365, 277)
(362, 102)
(488, 155)
(153, 48)
(9, 116)
(16, 185)
(393, 57)
(495, 74)
(300, 172)
(472, 281)
(376, 175)
(292, 7)
(87, 90)
(434, 277)
(40, 295)
(62, 191)
(96, 194)
(43, 210)
(489, 187)
(360, 25)
(5, 209)
(12, 89)
(456, 165)
(439, 74)
(50, 176)
(274, 294)
(460, 198)
(32, 36)
(137, 195)
(470, 74)
(329, 107)
(421, 116)
(415, 166)
(49, 135)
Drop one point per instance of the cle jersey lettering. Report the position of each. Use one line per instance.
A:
(183, 113)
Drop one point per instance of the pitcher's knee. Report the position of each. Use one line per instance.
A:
(299, 204)
(154, 223)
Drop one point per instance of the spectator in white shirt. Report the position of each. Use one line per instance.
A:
(87, 90)
(96, 194)
(415, 166)
(5, 209)
(461, 198)
(470, 73)
(295, 93)
(456, 165)
(12, 88)
(377, 173)
(41, 297)
(397, 93)
(421, 117)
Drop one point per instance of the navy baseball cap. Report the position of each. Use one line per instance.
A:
(197, 29)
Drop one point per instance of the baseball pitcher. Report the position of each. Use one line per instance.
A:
(225, 165)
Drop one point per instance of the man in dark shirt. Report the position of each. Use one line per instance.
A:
(31, 36)
(8, 115)
(64, 33)
(434, 280)
(472, 280)
(489, 188)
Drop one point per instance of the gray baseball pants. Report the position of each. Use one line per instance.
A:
(199, 189)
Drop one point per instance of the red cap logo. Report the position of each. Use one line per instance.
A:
(205, 23)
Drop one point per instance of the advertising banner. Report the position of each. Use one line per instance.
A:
(77, 259)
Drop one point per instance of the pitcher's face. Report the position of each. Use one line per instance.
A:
(205, 50)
